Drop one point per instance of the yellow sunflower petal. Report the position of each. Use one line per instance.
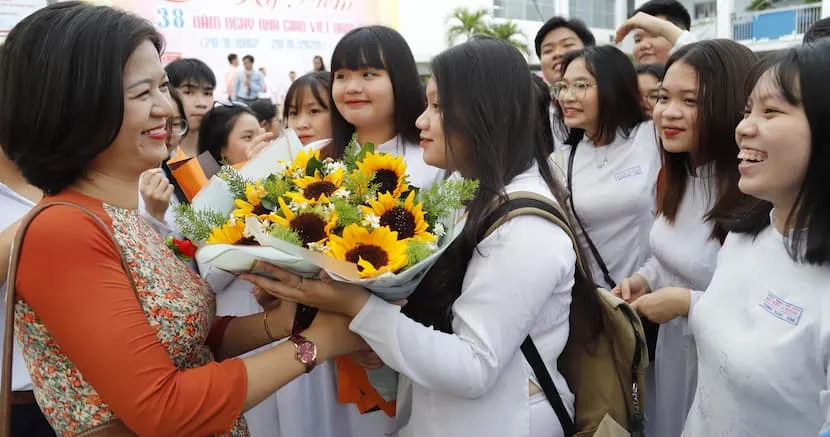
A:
(357, 244)
(229, 233)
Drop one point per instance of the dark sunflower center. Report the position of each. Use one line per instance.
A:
(399, 220)
(374, 255)
(386, 180)
(247, 241)
(315, 190)
(261, 210)
(310, 227)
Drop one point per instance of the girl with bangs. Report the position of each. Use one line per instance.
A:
(698, 108)
(763, 341)
(307, 110)
(378, 95)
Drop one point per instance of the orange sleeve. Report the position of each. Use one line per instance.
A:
(71, 275)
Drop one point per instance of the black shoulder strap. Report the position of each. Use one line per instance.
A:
(605, 273)
(531, 353)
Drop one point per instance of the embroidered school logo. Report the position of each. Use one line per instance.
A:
(782, 309)
(627, 173)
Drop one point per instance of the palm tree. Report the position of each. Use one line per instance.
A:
(467, 23)
(508, 31)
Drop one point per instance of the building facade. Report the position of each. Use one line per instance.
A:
(424, 23)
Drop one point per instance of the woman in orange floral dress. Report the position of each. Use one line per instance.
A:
(83, 112)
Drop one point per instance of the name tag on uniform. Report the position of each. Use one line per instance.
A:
(627, 173)
(782, 309)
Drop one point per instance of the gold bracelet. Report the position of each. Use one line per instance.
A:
(267, 329)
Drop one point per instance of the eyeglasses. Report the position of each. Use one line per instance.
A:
(229, 104)
(579, 88)
(652, 98)
(177, 127)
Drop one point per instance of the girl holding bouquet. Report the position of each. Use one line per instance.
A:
(117, 332)
(456, 344)
(377, 94)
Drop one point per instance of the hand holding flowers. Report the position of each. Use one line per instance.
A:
(358, 219)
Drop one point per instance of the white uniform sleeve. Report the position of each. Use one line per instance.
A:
(522, 266)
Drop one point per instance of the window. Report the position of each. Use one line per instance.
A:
(529, 10)
(595, 13)
(706, 10)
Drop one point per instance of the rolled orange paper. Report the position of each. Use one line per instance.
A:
(353, 387)
(191, 177)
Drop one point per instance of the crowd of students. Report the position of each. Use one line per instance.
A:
(694, 179)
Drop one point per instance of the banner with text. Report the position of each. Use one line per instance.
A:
(282, 35)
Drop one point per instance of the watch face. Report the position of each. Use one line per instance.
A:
(306, 351)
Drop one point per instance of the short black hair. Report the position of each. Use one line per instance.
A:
(577, 26)
(190, 71)
(248, 58)
(385, 49)
(673, 10)
(264, 109)
(317, 83)
(620, 108)
(232, 57)
(216, 127)
(73, 54)
(656, 70)
(820, 29)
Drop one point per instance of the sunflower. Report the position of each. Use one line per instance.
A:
(253, 205)
(309, 225)
(316, 189)
(232, 232)
(375, 252)
(387, 171)
(407, 219)
(298, 167)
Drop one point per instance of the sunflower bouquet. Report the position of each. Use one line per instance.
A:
(358, 218)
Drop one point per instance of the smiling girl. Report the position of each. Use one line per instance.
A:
(378, 95)
(762, 339)
(698, 109)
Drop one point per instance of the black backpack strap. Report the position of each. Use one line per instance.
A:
(605, 273)
(526, 204)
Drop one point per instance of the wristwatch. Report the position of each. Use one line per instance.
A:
(306, 351)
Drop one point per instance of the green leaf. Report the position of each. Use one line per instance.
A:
(287, 234)
(236, 182)
(417, 251)
(367, 148)
(197, 225)
(268, 204)
(314, 165)
(446, 197)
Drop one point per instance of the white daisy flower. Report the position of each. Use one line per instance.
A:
(371, 220)
(439, 230)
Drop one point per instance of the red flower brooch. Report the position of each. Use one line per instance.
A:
(184, 249)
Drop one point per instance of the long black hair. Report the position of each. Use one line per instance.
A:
(499, 126)
(620, 107)
(382, 48)
(800, 74)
